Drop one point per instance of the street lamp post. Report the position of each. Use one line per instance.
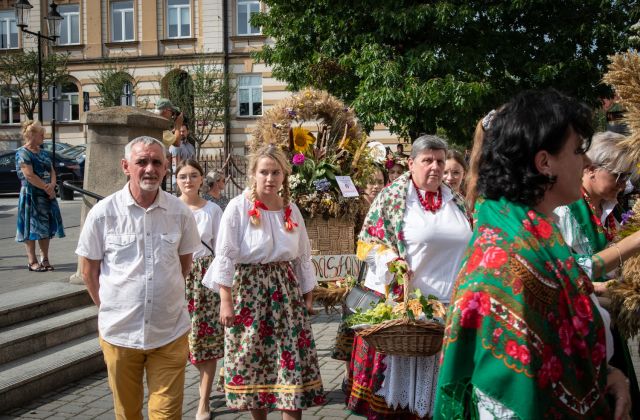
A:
(54, 20)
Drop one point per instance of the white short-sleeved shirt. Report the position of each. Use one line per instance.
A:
(240, 242)
(142, 303)
(435, 244)
(208, 221)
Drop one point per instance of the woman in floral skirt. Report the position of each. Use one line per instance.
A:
(206, 339)
(264, 273)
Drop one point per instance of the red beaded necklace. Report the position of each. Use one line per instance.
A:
(610, 230)
(432, 201)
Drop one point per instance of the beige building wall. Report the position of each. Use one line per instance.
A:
(151, 53)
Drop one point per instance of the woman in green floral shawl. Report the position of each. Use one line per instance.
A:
(589, 227)
(524, 339)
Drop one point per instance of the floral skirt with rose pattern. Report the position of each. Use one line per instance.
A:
(270, 354)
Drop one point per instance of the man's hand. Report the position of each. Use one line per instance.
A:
(90, 270)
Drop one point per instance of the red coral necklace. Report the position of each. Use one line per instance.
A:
(609, 230)
(432, 201)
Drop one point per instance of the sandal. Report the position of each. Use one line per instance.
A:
(45, 264)
(38, 268)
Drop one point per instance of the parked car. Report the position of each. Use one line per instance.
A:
(67, 169)
(60, 147)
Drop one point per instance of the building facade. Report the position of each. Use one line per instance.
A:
(151, 40)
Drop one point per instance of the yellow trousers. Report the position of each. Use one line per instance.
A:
(165, 379)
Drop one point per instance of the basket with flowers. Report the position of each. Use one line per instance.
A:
(323, 140)
(413, 327)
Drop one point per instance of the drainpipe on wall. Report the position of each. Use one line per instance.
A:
(225, 71)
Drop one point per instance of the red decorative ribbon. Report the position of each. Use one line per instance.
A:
(289, 224)
(254, 213)
(432, 201)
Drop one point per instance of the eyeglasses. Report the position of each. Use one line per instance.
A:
(621, 177)
(184, 177)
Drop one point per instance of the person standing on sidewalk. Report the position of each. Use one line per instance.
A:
(39, 217)
(206, 339)
(136, 249)
(263, 272)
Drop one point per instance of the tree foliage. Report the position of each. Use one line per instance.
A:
(437, 66)
(202, 92)
(110, 79)
(19, 76)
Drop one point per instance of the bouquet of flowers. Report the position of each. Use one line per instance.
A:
(323, 140)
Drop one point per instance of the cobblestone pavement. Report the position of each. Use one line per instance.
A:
(90, 397)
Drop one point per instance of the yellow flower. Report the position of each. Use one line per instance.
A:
(302, 138)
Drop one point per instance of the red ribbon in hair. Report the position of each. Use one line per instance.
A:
(255, 210)
(288, 223)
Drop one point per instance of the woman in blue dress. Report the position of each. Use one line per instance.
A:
(39, 216)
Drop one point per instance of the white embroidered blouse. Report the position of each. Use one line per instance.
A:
(240, 242)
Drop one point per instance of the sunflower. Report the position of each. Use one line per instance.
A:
(302, 139)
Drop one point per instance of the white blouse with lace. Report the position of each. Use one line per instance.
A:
(435, 246)
(241, 242)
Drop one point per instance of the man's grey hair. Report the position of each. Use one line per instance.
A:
(427, 142)
(606, 151)
(147, 141)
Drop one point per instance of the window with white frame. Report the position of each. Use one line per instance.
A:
(8, 30)
(178, 18)
(246, 9)
(122, 27)
(128, 97)
(69, 92)
(9, 110)
(249, 95)
(70, 28)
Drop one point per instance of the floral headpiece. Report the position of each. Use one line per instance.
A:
(488, 119)
(396, 159)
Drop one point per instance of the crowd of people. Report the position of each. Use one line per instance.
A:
(518, 242)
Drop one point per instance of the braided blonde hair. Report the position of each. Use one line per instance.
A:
(274, 152)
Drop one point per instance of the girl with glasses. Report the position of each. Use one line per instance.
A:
(206, 338)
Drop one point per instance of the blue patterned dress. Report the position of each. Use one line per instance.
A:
(38, 215)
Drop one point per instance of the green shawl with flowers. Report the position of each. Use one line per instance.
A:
(521, 327)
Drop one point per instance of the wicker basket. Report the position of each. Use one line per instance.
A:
(330, 236)
(405, 337)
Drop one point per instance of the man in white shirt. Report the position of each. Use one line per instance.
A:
(136, 247)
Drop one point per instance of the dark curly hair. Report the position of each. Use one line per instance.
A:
(532, 121)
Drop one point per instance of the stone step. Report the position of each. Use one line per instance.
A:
(28, 337)
(26, 378)
(41, 300)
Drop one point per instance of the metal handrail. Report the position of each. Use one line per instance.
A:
(69, 185)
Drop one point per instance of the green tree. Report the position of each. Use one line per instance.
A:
(202, 92)
(19, 76)
(438, 66)
(110, 80)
